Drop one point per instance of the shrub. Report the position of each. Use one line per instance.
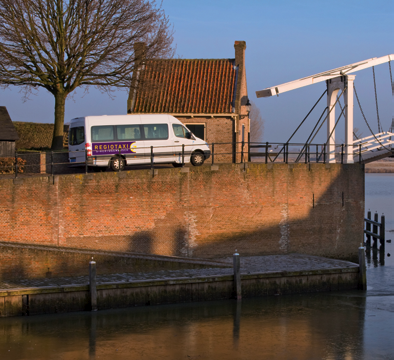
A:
(7, 165)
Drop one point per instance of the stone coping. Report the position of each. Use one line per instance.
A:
(177, 281)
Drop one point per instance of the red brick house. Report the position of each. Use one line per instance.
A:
(208, 95)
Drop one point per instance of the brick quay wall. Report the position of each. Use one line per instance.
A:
(203, 212)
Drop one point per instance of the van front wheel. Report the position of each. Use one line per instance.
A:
(197, 158)
(117, 163)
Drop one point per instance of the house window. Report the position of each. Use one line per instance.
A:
(197, 129)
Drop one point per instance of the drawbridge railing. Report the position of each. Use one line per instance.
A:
(374, 147)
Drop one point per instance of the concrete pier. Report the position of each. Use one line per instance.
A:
(259, 275)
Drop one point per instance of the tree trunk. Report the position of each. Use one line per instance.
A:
(57, 141)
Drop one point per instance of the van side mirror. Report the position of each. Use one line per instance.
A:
(188, 135)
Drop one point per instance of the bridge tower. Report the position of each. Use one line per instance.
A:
(334, 85)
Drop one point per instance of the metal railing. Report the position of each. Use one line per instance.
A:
(57, 162)
(301, 153)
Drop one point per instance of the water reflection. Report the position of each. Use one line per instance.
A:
(92, 335)
(237, 322)
(375, 256)
(322, 326)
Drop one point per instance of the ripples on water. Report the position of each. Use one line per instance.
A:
(343, 325)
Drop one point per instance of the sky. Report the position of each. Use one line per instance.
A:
(286, 40)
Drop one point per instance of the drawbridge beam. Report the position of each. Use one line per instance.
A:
(323, 76)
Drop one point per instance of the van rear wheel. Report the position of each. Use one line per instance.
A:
(197, 158)
(117, 163)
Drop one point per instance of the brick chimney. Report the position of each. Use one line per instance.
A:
(241, 91)
(139, 60)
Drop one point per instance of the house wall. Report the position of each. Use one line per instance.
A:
(7, 148)
(207, 211)
(219, 130)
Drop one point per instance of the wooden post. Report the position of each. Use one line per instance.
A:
(382, 230)
(368, 227)
(92, 285)
(362, 279)
(237, 276)
(43, 163)
(375, 230)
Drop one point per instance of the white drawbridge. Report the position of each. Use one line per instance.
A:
(368, 149)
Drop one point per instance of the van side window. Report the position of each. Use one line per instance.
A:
(76, 135)
(128, 132)
(156, 131)
(181, 132)
(102, 133)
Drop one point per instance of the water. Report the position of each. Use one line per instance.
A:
(344, 325)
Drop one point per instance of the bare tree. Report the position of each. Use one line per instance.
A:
(64, 44)
(256, 124)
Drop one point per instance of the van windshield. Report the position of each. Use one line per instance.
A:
(76, 135)
(181, 132)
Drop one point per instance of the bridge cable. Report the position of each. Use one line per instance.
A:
(376, 101)
(362, 112)
(332, 131)
(312, 132)
(328, 113)
(354, 134)
(300, 124)
(336, 123)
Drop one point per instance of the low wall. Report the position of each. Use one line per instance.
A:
(51, 300)
(203, 212)
(22, 261)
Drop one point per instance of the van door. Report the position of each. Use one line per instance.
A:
(131, 136)
(182, 137)
(76, 144)
(158, 137)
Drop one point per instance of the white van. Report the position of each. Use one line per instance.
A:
(120, 140)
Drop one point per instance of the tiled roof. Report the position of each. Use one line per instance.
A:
(186, 86)
(7, 129)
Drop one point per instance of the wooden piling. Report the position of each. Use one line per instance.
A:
(362, 280)
(237, 276)
(382, 231)
(92, 285)
(375, 230)
(368, 227)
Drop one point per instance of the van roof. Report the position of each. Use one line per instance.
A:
(153, 117)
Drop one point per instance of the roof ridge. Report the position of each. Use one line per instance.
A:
(195, 59)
